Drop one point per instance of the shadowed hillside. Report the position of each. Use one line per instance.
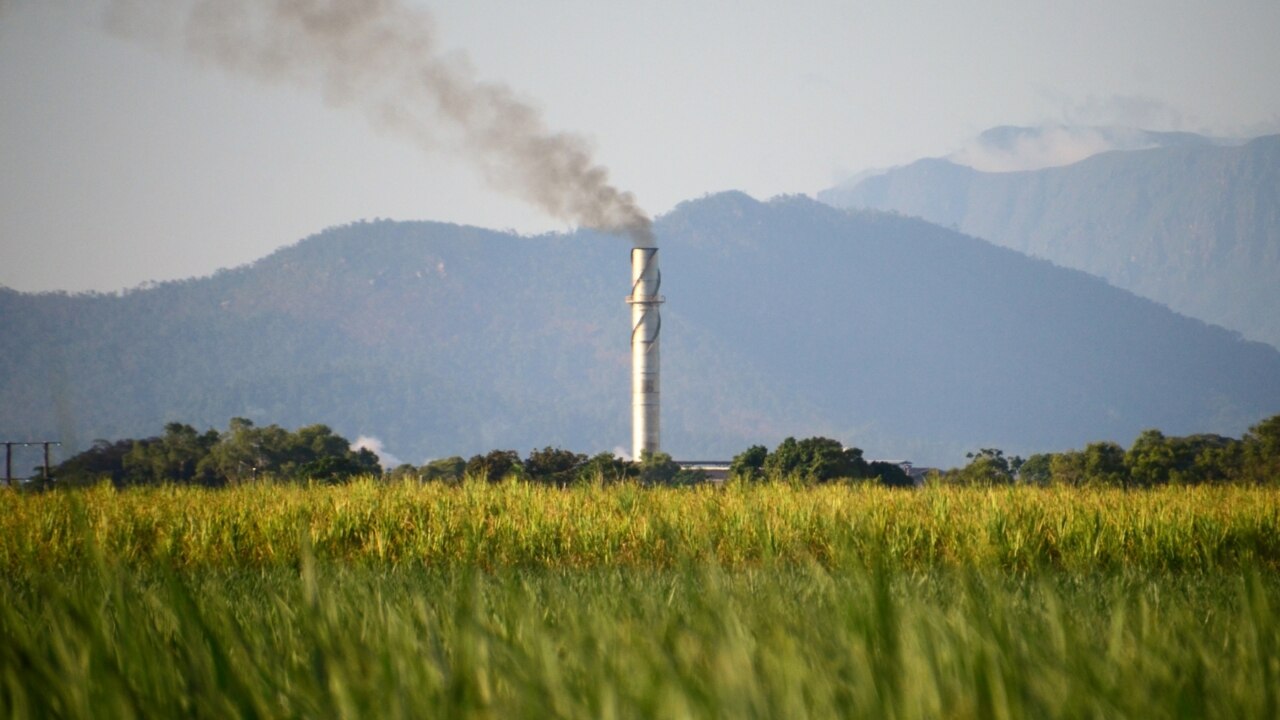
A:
(1193, 225)
(783, 318)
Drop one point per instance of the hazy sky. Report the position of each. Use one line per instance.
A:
(121, 163)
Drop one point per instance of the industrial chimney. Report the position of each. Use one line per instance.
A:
(646, 324)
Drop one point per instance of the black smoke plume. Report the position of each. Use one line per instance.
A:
(381, 57)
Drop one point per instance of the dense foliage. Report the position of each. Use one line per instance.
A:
(245, 452)
(314, 453)
(1153, 459)
(183, 455)
(813, 460)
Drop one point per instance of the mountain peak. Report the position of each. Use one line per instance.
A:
(1189, 221)
(1011, 148)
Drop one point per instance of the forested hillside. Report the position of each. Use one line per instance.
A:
(783, 318)
(1193, 225)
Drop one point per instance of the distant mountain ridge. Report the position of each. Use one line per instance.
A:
(783, 318)
(1011, 147)
(1194, 224)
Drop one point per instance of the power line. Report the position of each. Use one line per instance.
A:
(8, 456)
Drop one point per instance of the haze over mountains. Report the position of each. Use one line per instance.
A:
(1009, 148)
(783, 318)
(1188, 221)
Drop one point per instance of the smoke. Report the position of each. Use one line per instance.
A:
(380, 56)
(375, 446)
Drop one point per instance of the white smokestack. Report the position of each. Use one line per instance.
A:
(646, 324)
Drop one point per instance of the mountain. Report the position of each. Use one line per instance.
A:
(783, 318)
(1010, 147)
(1191, 223)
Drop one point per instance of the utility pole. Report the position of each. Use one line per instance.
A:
(8, 457)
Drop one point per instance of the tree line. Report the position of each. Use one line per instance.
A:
(245, 452)
(1153, 459)
(553, 466)
(814, 460)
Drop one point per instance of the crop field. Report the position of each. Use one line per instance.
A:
(515, 600)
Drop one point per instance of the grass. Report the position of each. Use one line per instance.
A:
(690, 642)
(526, 526)
(620, 602)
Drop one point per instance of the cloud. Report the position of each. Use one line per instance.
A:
(1270, 126)
(1133, 111)
(1015, 149)
(1084, 128)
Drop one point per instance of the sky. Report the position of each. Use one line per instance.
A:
(126, 161)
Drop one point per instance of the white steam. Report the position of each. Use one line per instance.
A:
(374, 445)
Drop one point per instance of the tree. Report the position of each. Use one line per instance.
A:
(340, 468)
(890, 474)
(315, 452)
(1261, 452)
(174, 457)
(1104, 464)
(1068, 468)
(553, 466)
(103, 461)
(312, 442)
(403, 473)
(657, 468)
(785, 461)
(749, 464)
(1154, 459)
(495, 466)
(987, 466)
(1149, 459)
(815, 459)
(1227, 462)
(607, 468)
(1265, 438)
(1037, 470)
(449, 470)
(1205, 458)
(240, 454)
